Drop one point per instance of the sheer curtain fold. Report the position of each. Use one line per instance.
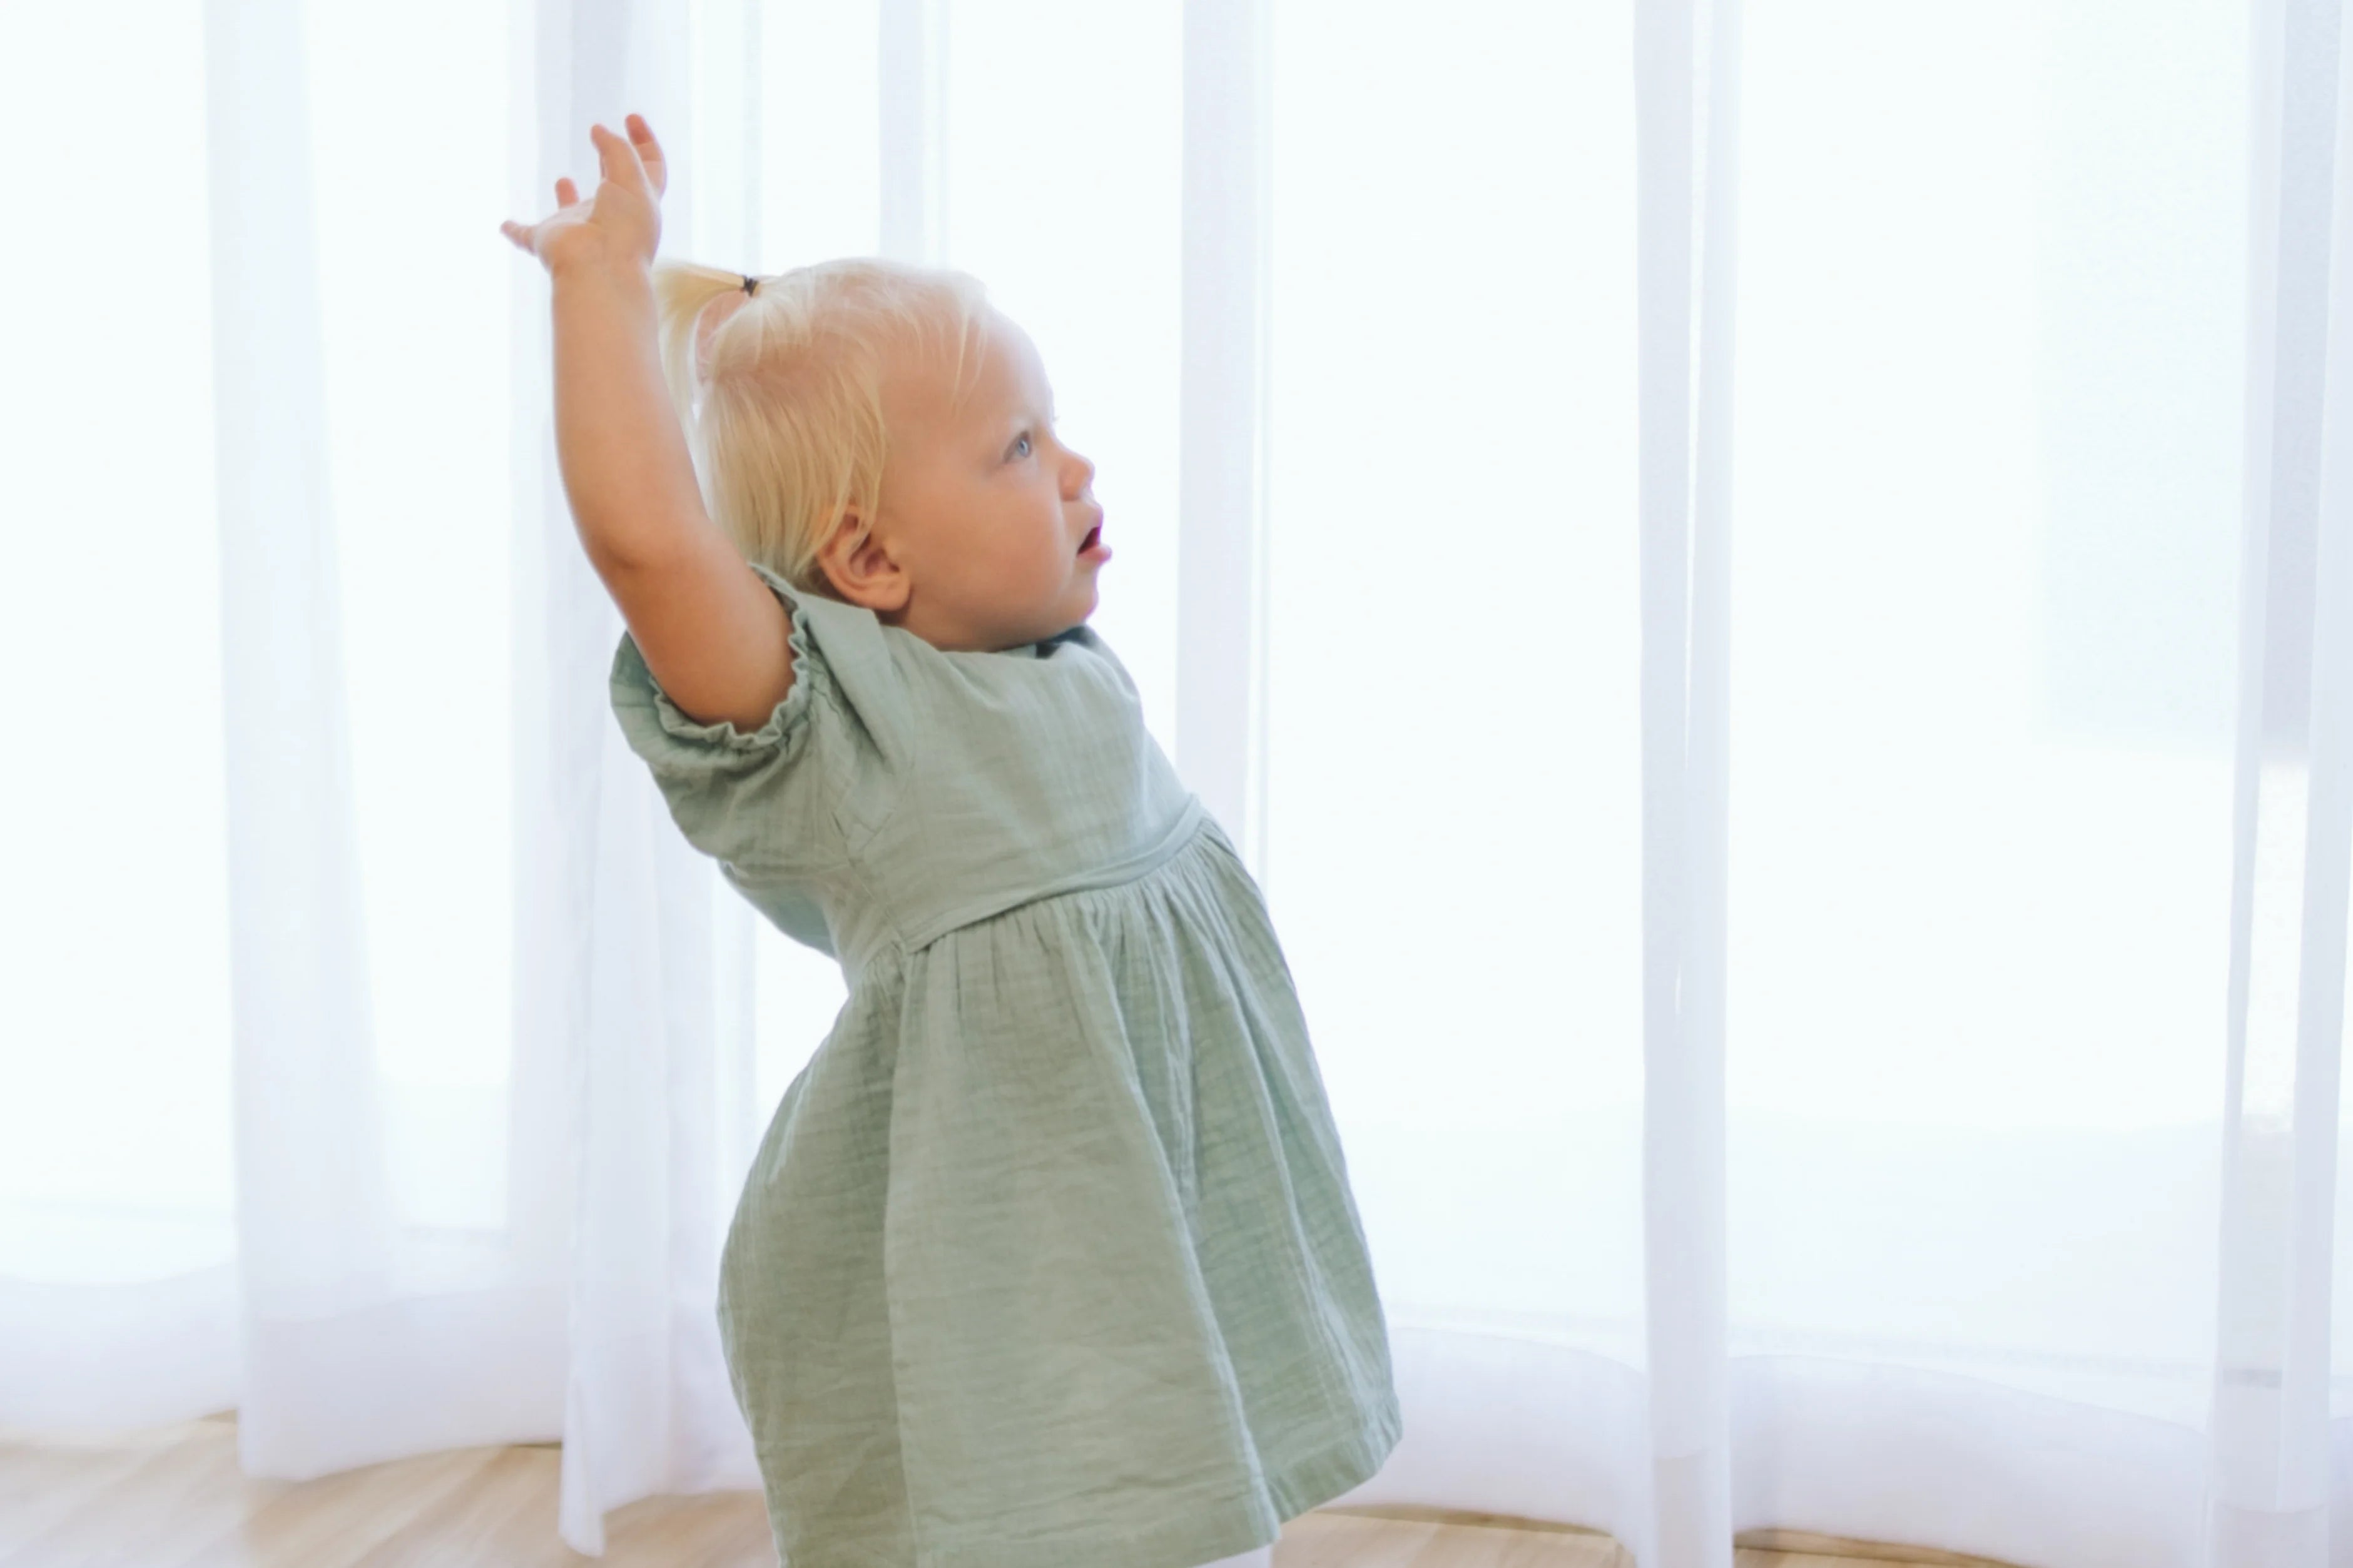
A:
(2270, 1467)
(1220, 743)
(1686, 86)
(625, 1023)
(589, 1318)
(320, 1249)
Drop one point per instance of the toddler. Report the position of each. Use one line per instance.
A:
(1048, 1259)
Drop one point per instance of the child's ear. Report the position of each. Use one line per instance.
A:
(861, 568)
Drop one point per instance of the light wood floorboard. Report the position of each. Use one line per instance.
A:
(172, 1497)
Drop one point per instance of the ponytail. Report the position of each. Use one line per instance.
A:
(684, 290)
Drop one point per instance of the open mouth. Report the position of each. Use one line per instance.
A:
(1093, 534)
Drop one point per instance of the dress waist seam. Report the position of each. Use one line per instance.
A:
(1180, 836)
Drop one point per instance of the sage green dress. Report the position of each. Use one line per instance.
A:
(1048, 1259)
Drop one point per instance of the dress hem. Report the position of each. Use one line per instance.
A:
(1243, 1522)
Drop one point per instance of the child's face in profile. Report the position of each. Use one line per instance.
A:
(977, 545)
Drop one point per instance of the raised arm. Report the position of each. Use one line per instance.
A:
(711, 633)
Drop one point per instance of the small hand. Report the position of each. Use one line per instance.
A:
(621, 221)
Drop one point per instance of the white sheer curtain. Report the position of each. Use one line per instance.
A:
(1767, 590)
(1833, 994)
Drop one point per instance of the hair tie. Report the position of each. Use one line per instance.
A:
(751, 284)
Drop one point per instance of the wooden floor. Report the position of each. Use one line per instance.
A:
(173, 1498)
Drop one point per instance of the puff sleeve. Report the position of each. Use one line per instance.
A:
(805, 790)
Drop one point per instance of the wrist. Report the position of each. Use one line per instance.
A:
(600, 272)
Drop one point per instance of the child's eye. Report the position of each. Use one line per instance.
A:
(1019, 441)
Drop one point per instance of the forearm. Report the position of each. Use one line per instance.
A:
(625, 468)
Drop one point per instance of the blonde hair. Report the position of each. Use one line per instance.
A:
(783, 404)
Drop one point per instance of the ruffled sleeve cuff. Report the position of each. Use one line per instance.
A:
(689, 739)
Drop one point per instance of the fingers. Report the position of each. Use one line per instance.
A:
(525, 235)
(618, 160)
(649, 153)
(634, 164)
